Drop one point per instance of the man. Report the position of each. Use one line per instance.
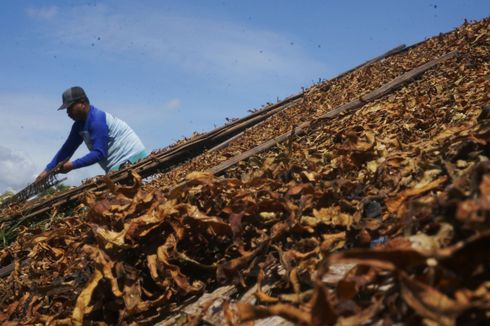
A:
(111, 141)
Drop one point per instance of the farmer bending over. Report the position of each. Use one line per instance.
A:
(111, 141)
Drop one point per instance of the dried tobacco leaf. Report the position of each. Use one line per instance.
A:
(247, 312)
(82, 306)
(395, 204)
(428, 302)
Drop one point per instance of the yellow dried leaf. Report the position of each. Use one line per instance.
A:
(247, 312)
(395, 203)
(82, 305)
(199, 175)
(111, 237)
(333, 215)
(267, 215)
(372, 166)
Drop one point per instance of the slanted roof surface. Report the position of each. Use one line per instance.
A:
(377, 213)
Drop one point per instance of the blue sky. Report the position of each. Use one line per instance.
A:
(169, 68)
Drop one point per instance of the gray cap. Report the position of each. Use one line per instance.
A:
(71, 96)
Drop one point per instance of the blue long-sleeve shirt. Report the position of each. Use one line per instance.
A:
(110, 141)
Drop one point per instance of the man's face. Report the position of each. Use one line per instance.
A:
(77, 111)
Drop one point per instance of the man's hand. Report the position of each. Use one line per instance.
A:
(42, 175)
(66, 167)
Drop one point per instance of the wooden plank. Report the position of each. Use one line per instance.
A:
(234, 160)
(225, 143)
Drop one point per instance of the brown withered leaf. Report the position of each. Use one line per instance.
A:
(363, 317)
(359, 276)
(127, 191)
(322, 312)
(132, 297)
(429, 302)
(105, 265)
(332, 242)
(231, 269)
(154, 244)
(7, 313)
(390, 259)
(394, 204)
(261, 295)
(228, 314)
(430, 243)
(217, 226)
(82, 306)
(469, 259)
(485, 185)
(151, 262)
(248, 312)
(333, 216)
(203, 177)
(474, 212)
(174, 271)
(111, 238)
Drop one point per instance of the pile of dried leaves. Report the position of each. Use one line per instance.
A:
(399, 192)
(327, 95)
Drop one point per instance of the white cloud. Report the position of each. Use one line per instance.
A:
(16, 169)
(31, 124)
(173, 104)
(43, 13)
(197, 44)
(31, 112)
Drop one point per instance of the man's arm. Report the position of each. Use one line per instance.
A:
(99, 137)
(66, 151)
